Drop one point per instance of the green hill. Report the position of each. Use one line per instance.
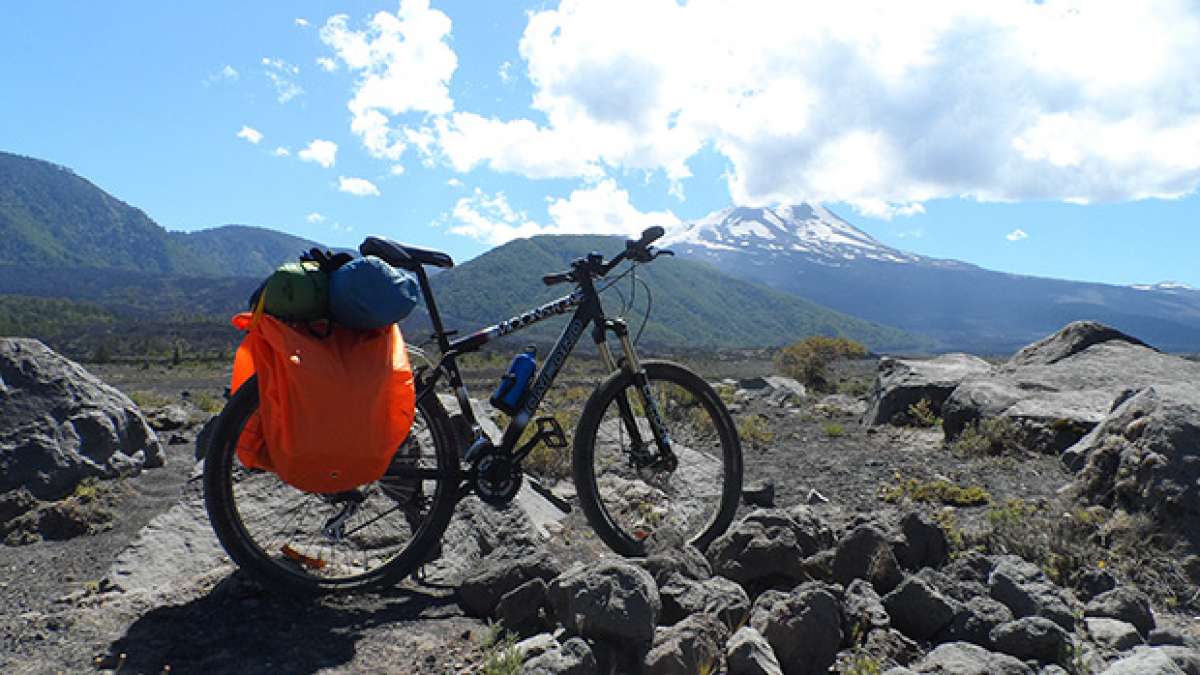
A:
(51, 217)
(694, 305)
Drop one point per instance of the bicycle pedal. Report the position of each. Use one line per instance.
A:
(551, 432)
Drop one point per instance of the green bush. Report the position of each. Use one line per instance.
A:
(808, 360)
(753, 429)
(833, 430)
(937, 491)
(990, 436)
(922, 415)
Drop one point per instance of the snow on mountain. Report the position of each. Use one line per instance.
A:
(1163, 286)
(817, 233)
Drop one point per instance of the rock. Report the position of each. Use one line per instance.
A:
(974, 623)
(769, 546)
(803, 627)
(573, 657)
(1168, 636)
(169, 418)
(693, 645)
(840, 405)
(608, 600)
(917, 610)
(924, 544)
(1092, 582)
(61, 424)
(537, 645)
(1113, 633)
(1025, 590)
(1032, 637)
(15, 503)
(724, 599)
(866, 553)
(903, 383)
(776, 389)
(1157, 661)
(1125, 604)
(961, 658)
(1058, 389)
(759, 494)
(500, 573)
(685, 560)
(520, 606)
(1145, 455)
(749, 653)
(863, 609)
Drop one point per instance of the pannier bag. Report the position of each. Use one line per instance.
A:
(297, 291)
(332, 411)
(368, 293)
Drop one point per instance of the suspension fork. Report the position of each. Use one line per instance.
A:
(632, 365)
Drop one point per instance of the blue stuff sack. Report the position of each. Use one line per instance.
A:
(368, 293)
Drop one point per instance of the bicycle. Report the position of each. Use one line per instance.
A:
(655, 450)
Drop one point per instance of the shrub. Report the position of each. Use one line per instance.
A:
(833, 430)
(922, 415)
(503, 657)
(753, 429)
(937, 491)
(990, 436)
(808, 359)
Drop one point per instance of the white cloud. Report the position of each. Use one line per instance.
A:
(396, 170)
(301, 22)
(404, 64)
(327, 64)
(314, 218)
(504, 72)
(250, 134)
(603, 208)
(1061, 100)
(359, 187)
(227, 72)
(1016, 235)
(280, 73)
(320, 151)
(454, 182)
(281, 152)
(338, 227)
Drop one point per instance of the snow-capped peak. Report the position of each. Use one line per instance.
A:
(1164, 286)
(807, 229)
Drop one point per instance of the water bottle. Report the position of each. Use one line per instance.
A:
(511, 392)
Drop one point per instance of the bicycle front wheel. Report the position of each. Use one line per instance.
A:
(371, 536)
(629, 501)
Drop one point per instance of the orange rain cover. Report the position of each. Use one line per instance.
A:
(332, 411)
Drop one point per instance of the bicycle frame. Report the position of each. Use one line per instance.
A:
(585, 300)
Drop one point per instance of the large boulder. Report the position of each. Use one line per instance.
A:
(804, 627)
(693, 645)
(573, 657)
(60, 424)
(682, 597)
(961, 658)
(900, 383)
(1145, 456)
(866, 553)
(610, 600)
(749, 653)
(1058, 389)
(769, 547)
(501, 572)
(1032, 637)
(1157, 661)
(1024, 589)
(1124, 604)
(918, 610)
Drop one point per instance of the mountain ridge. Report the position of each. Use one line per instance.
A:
(815, 254)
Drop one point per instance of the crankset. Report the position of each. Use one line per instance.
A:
(497, 479)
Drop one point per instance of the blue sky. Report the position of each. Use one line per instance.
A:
(947, 130)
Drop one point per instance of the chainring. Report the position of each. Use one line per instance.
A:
(497, 479)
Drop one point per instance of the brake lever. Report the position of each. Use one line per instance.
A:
(664, 251)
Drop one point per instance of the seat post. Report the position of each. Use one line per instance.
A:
(431, 306)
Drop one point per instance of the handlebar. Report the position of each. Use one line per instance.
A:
(638, 250)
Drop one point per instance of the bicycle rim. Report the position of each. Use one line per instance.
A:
(370, 536)
(636, 508)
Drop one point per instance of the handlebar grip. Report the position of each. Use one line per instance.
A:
(649, 235)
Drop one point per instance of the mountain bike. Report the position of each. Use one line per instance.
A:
(655, 451)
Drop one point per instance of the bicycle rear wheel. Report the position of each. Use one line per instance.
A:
(371, 536)
(631, 505)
